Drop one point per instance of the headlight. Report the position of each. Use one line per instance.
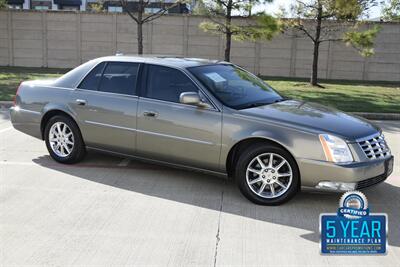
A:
(335, 149)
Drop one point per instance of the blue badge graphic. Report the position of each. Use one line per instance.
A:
(353, 229)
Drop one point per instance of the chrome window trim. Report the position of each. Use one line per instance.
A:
(211, 108)
(107, 93)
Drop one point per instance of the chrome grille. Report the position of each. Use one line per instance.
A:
(374, 146)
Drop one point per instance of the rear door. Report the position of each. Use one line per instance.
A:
(170, 131)
(105, 103)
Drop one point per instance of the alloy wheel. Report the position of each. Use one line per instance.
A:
(269, 175)
(61, 139)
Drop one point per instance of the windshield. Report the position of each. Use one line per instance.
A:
(235, 87)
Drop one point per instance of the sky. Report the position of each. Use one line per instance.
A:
(274, 7)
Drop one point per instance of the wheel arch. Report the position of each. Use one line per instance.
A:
(239, 146)
(51, 113)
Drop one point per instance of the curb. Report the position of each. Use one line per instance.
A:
(367, 115)
(378, 116)
(5, 105)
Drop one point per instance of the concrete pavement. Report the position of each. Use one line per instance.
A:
(112, 211)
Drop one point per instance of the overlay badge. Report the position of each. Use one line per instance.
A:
(353, 229)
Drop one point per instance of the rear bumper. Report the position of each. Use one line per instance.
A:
(26, 121)
(333, 177)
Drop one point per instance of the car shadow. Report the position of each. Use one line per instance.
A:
(219, 194)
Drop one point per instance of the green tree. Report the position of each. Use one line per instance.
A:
(3, 4)
(220, 14)
(391, 11)
(333, 20)
(97, 7)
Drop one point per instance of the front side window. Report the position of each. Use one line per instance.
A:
(235, 87)
(167, 84)
(92, 80)
(119, 78)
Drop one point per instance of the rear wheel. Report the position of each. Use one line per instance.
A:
(267, 174)
(63, 140)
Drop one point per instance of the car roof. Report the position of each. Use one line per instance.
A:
(171, 61)
(73, 77)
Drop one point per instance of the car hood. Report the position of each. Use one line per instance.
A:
(314, 117)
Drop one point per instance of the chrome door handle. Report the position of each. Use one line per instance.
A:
(152, 114)
(81, 102)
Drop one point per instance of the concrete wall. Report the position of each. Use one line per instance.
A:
(66, 39)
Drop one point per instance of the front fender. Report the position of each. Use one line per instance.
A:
(300, 144)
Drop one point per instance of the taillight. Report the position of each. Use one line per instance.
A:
(16, 94)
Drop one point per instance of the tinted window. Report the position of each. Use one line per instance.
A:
(120, 78)
(235, 87)
(167, 84)
(92, 80)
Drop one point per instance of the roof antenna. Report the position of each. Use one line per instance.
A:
(119, 53)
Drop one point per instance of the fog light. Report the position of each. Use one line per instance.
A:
(328, 185)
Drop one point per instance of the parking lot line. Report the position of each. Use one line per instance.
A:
(6, 129)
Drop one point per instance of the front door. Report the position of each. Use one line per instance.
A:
(170, 131)
(106, 103)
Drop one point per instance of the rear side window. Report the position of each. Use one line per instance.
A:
(92, 80)
(119, 78)
(167, 84)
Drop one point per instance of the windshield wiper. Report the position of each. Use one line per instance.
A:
(258, 104)
(281, 100)
(253, 105)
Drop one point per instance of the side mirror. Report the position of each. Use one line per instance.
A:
(191, 98)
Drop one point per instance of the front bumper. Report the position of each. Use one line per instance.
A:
(334, 177)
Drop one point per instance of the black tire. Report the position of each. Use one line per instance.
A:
(78, 151)
(246, 157)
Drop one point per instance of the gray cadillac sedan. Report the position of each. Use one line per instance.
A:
(204, 115)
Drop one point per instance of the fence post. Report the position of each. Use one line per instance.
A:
(365, 69)
(44, 39)
(293, 55)
(221, 46)
(149, 38)
(78, 39)
(114, 34)
(10, 39)
(185, 36)
(257, 55)
(329, 61)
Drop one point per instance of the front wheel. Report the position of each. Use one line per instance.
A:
(267, 175)
(63, 140)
